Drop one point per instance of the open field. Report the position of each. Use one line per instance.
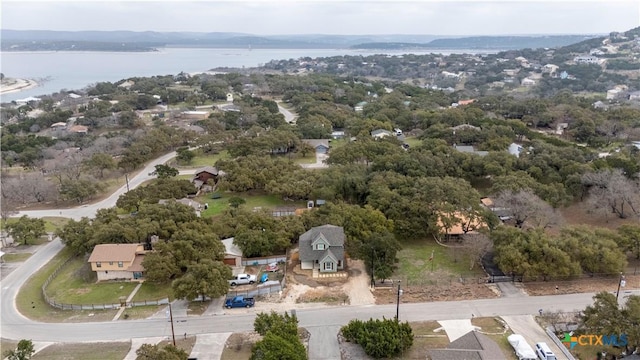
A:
(415, 267)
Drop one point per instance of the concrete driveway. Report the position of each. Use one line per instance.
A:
(526, 326)
(323, 343)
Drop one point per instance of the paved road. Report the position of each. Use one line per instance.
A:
(91, 209)
(289, 117)
(323, 343)
(15, 326)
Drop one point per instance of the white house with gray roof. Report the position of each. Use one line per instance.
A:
(322, 248)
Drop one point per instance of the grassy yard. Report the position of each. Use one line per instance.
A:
(16, 257)
(76, 284)
(140, 312)
(202, 160)
(414, 264)
(217, 206)
(412, 141)
(32, 305)
(309, 159)
(85, 351)
(151, 291)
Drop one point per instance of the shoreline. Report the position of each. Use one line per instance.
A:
(12, 85)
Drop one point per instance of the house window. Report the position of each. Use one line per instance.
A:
(339, 263)
(328, 266)
(319, 246)
(98, 264)
(120, 264)
(110, 262)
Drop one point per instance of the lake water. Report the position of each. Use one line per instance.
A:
(76, 70)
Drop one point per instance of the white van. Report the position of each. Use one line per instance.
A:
(543, 351)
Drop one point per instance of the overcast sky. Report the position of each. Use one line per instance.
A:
(347, 17)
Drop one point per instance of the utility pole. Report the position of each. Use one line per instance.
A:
(126, 176)
(173, 334)
(373, 280)
(398, 302)
(621, 282)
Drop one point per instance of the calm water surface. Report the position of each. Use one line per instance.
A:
(75, 70)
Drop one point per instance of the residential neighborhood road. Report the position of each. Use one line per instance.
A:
(15, 326)
(90, 210)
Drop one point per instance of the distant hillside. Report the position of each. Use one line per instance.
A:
(483, 42)
(33, 40)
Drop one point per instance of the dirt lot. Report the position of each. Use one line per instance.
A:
(584, 285)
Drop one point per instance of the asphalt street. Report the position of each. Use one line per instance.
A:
(90, 210)
(15, 326)
(321, 322)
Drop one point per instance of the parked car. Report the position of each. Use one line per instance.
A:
(242, 279)
(239, 301)
(271, 267)
(522, 349)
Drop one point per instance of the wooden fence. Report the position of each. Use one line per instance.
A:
(63, 306)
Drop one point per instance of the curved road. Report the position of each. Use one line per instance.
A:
(15, 326)
(90, 210)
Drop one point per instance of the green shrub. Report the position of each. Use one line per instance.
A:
(379, 338)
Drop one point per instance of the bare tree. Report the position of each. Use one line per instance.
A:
(610, 191)
(523, 206)
(476, 246)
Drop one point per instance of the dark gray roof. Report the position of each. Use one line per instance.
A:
(471, 346)
(334, 236)
(450, 354)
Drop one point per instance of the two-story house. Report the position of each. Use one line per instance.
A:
(322, 248)
(117, 261)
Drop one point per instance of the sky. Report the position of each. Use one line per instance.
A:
(339, 17)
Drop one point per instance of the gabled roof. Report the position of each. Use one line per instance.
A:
(334, 235)
(113, 252)
(471, 346)
(209, 169)
(314, 143)
(381, 132)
